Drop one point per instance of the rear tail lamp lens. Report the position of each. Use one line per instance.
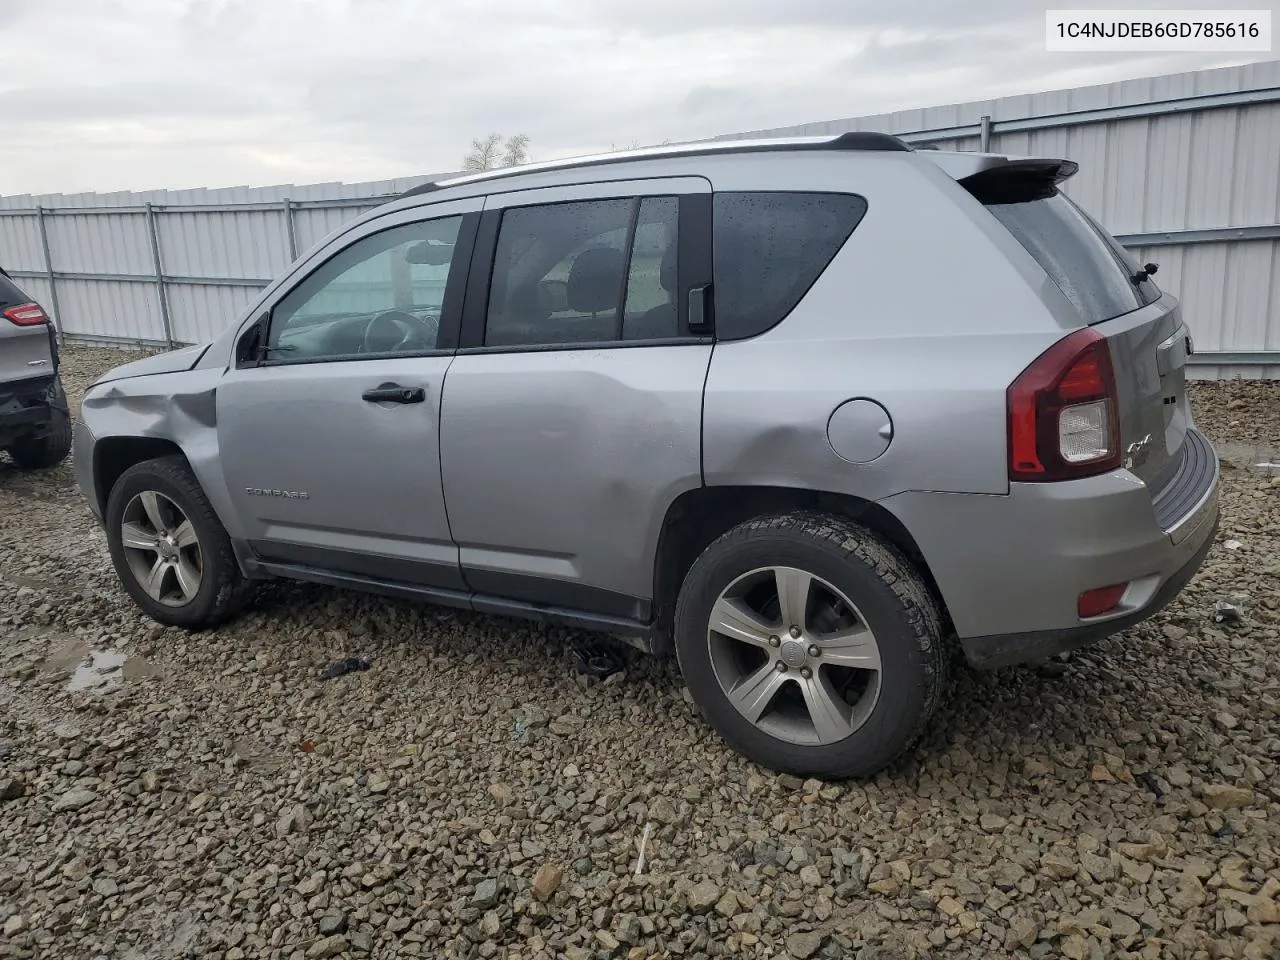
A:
(1063, 421)
(26, 315)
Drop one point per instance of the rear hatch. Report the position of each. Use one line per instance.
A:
(1148, 340)
(26, 341)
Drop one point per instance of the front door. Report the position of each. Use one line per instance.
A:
(328, 427)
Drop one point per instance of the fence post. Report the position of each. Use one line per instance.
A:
(291, 230)
(984, 135)
(48, 269)
(160, 289)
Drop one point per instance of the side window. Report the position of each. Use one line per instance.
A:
(585, 272)
(383, 294)
(769, 249)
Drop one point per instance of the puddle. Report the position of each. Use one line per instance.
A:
(102, 671)
(1256, 458)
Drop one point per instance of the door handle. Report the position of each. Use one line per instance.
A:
(394, 393)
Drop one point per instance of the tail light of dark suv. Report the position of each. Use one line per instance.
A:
(1063, 417)
(26, 314)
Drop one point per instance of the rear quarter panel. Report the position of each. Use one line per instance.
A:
(926, 309)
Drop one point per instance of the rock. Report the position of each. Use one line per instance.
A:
(331, 923)
(1074, 947)
(1100, 774)
(75, 870)
(1023, 931)
(379, 782)
(486, 894)
(105, 887)
(727, 905)
(75, 799)
(150, 782)
(1178, 776)
(546, 881)
(1058, 865)
(327, 947)
(805, 944)
(1225, 721)
(992, 822)
(491, 924)
(501, 792)
(1223, 796)
(296, 820)
(663, 811)
(1036, 768)
(951, 907)
(810, 876)
(15, 925)
(11, 788)
(1264, 911)
(703, 896)
(1137, 851)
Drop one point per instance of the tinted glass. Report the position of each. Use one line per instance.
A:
(10, 292)
(769, 248)
(557, 273)
(1089, 266)
(383, 294)
(651, 312)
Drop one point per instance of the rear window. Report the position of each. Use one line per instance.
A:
(769, 248)
(1091, 268)
(10, 293)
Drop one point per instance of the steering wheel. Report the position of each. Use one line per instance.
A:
(395, 329)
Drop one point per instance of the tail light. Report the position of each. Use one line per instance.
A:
(1063, 417)
(26, 315)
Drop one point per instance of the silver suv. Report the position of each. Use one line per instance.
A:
(808, 413)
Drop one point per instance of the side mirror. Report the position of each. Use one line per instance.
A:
(431, 254)
(553, 296)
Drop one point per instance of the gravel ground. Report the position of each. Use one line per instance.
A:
(165, 794)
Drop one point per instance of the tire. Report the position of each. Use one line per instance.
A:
(47, 451)
(167, 485)
(859, 583)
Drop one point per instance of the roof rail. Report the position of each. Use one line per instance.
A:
(853, 140)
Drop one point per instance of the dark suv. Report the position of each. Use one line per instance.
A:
(35, 428)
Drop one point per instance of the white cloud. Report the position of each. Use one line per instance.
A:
(134, 94)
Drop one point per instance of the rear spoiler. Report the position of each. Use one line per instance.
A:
(1019, 180)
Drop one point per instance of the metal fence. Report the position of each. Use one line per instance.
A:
(1182, 168)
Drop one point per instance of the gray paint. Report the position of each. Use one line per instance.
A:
(560, 465)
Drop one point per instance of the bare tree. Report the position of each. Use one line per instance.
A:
(517, 151)
(490, 153)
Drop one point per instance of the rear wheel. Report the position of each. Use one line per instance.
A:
(47, 451)
(170, 551)
(811, 645)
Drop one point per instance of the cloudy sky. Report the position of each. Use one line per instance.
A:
(138, 94)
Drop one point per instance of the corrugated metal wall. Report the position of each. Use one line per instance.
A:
(1183, 168)
(217, 249)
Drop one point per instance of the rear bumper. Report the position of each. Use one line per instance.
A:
(26, 407)
(1011, 568)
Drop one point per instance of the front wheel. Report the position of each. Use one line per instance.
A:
(811, 645)
(170, 551)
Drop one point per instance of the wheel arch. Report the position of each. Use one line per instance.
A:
(112, 456)
(697, 517)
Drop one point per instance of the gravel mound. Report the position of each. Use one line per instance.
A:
(470, 794)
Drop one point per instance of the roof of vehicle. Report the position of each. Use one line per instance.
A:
(959, 164)
(853, 141)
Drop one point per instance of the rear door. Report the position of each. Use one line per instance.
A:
(1148, 340)
(573, 411)
(26, 343)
